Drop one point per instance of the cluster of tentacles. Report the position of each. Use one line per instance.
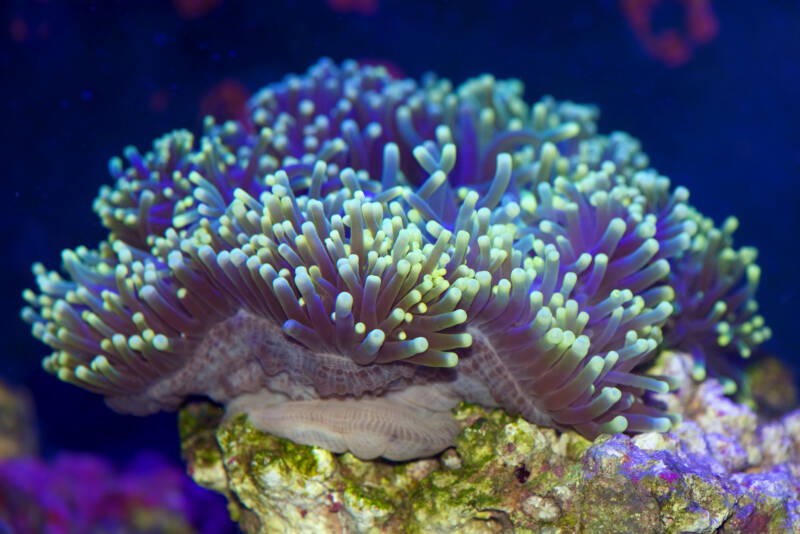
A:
(404, 225)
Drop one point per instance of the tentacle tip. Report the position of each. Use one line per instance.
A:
(616, 426)
(698, 372)
(661, 386)
(729, 386)
(675, 420)
(660, 424)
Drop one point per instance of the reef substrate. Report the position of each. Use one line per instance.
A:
(723, 469)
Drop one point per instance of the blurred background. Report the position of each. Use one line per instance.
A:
(709, 87)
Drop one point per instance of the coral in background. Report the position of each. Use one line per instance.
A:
(225, 100)
(364, 7)
(672, 46)
(721, 470)
(84, 494)
(772, 386)
(17, 425)
(193, 9)
(371, 249)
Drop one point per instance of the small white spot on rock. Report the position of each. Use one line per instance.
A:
(451, 459)
(541, 508)
(650, 441)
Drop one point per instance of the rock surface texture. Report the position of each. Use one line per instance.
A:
(723, 469)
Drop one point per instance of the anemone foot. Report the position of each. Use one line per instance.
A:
(413, 423)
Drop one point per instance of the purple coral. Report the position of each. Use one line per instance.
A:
(374, 250)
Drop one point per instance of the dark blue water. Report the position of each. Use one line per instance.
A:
(81, 80)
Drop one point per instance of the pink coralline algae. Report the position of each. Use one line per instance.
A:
(84, 494)
(363, 252)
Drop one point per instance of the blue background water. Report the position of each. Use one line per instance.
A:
(86, 79)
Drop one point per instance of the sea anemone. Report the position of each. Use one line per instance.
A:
(716, 310)
(365, 252)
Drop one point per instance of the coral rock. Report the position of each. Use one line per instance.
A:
(720, 470)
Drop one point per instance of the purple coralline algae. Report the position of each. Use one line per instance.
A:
(85, 494)
(364, 252)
